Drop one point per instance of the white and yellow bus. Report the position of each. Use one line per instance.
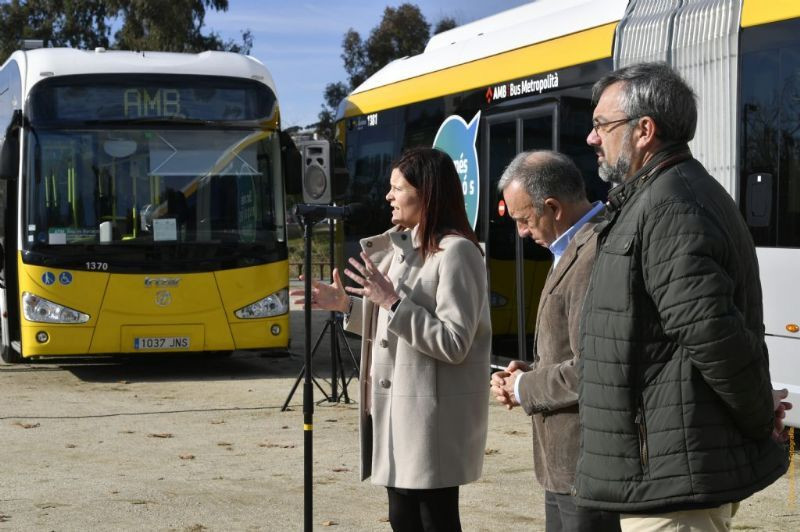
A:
(141, 204)
(521, 80)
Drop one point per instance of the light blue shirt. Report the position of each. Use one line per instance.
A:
(560, 244)
(558, 247)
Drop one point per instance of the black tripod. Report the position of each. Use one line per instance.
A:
(333, 326)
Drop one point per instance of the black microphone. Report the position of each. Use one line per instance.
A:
(314, 211)
(354, 210)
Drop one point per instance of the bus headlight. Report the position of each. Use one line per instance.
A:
(42, 310)
(272, 305)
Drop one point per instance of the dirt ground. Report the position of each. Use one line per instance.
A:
(192, 445)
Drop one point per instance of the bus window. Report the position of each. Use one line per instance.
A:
(509, 278)
(575, 118)
(770, 133)
(537, 133)
(153, 186)
(370, 154)
(422, 122)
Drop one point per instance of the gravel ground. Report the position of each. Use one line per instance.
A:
(191, 445)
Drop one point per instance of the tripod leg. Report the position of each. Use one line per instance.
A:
(297, 383)
(341, 375)
(356, 364)
(319, 338)
(294, 388)
(334, 360)
(314, 352)
(302, 372)
(344, 381)
(322, 391)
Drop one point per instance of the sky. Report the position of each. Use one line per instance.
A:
(300, 41)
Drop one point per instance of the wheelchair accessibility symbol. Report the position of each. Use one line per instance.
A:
(48, 278)
(64, 278)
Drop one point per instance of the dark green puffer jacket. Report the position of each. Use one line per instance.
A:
(676, 401)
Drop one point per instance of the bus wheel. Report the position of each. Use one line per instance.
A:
(9, 355)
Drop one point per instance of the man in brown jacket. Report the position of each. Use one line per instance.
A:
(546, 197)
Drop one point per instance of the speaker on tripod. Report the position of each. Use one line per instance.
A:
(324, 176)
(323, 182)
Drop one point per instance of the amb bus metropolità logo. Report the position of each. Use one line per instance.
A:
(512, 89)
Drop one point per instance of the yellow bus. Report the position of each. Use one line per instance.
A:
(521, 80)
(141, 204)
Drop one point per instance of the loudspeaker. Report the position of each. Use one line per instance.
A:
(316, 167)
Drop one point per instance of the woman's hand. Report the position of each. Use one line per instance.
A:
(377, 287)
(324, 296)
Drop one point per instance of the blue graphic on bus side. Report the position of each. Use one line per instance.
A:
(65, 278)
(457, 139)
(48, 278)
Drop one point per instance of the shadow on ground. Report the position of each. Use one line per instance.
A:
(239, 365)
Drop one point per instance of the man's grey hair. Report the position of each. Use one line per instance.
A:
(545, 174)
(657, 91)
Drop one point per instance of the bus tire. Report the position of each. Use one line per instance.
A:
(9, 355)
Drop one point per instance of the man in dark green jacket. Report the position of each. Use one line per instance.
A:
(676, 403)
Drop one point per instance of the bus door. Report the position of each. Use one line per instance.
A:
(769, 186)
(517, 267)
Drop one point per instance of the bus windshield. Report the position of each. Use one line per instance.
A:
(152, 184)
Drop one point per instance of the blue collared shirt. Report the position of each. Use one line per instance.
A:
(560, 244)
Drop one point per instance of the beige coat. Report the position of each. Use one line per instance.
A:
(424, 392)
(549, 392)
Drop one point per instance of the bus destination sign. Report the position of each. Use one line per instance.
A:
(98, 98)
(144, 103)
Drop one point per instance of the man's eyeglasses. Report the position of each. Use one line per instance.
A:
(597, 125)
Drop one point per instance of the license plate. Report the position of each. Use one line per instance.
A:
(161, 342)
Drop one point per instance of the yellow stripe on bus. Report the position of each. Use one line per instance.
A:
(755, 12)
(569, 50)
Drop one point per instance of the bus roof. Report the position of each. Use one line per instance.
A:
(42, 63)
(522, 26)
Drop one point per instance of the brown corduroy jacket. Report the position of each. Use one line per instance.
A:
(549, 392)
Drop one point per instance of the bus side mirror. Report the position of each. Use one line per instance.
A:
(8, 156)
(9, 152)
(292, 165)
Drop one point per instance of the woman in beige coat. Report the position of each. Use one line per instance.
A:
(424, 317)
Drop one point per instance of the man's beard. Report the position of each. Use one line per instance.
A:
(617, 172)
